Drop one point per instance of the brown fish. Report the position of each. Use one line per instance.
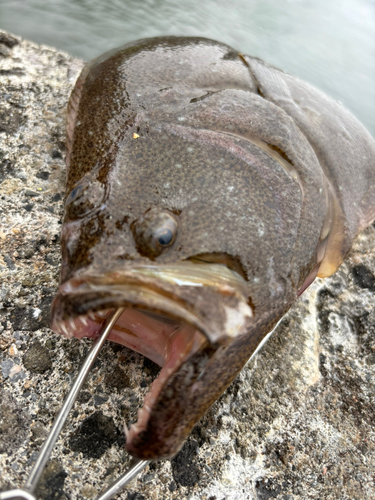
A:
(205, 191)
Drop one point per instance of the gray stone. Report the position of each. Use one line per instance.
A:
(297, 423)
(96, 434)
(14, 424)
(30, 192)
(37, 359)
(6, 366)
(51, 483)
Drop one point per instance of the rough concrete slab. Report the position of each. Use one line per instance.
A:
(298, 423)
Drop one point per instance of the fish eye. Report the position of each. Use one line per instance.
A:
(165, 237)
(155, 232)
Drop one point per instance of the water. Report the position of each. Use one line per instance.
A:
(330, 43)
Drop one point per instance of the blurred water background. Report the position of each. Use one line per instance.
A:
(329, 43)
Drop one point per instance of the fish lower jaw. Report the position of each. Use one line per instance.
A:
(169, 344)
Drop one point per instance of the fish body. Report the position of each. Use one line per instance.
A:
(205, 191)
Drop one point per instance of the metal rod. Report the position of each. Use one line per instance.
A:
(134, 469)
(46, 450)
(16, 495)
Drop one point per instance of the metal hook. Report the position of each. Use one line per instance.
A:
(28, 492)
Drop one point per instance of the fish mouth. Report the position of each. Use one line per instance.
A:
(179, 316)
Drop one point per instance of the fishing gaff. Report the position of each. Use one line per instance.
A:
(28, 492)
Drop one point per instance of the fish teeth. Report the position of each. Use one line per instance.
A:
(72, 324)
(127, 431)
(64, 329)
(84, 320)
(134, 428)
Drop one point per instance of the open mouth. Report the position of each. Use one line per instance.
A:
(173, 314)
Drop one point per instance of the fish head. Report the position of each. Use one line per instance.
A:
(189, 222)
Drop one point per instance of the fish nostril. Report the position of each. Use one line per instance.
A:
(84, 198)
(155, 232)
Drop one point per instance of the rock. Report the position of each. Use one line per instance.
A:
(184, 467)
(135, 496)
(37, 359)
(89, 492)
(8, 40)
(52, 482)
(117, 379)
(96, 434)
(298, 422)
(38, 432)
(14, 423)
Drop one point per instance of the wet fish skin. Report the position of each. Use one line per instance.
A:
(255, 165)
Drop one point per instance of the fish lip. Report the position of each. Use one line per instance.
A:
(87, 299)
(207, 308)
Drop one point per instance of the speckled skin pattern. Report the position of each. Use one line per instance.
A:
(253, 163)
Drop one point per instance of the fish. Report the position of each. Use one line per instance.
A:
(205, 191)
